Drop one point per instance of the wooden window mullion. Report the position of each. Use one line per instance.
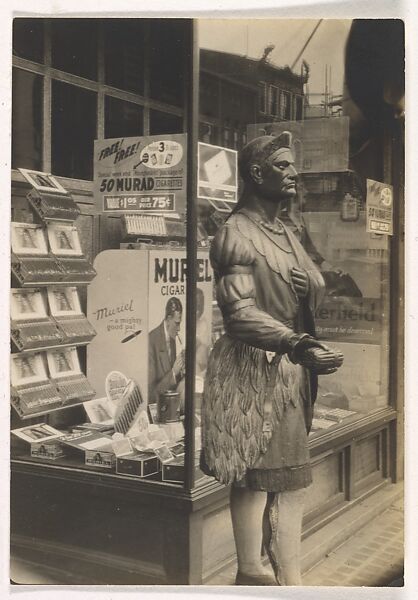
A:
(47, 101)
(101, 81)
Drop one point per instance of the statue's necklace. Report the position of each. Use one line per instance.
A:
(277, 227)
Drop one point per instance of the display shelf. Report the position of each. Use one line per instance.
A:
(55, 346)
(75, 464)
(33, 266)
(51, 410)
(344, 432)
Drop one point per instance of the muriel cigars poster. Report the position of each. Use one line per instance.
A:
(139, 312)
(167, 317)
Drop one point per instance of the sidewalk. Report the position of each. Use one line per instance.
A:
(371, 556)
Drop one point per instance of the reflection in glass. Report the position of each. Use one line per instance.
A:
(28, 40)
(354, 312)
(161, 123)
(167, 60)
(74, 46)
(72, 143)
(124, 54)
(248, 90)
(122, 119)
(26, 120)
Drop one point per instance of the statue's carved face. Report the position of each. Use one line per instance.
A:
(276, 178)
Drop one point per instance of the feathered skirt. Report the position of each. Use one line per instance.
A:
(254, 430)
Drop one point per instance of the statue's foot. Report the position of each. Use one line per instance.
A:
(259, 579)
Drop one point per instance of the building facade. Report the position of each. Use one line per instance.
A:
(80, 80)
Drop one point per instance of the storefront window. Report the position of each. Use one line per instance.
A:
(273, 100)
(122, 118)
(96, 59)
(133, 155)
(167, 48)
(28, 41)
(72, 143)
(124, 54)
(285, 106)
(354, 314)
(328, 215)
(161, 123)
(299, 108)
(26, 120)
(262, 97)
(74, 46)
(122, 293)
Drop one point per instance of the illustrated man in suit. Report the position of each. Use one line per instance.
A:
(166, 360)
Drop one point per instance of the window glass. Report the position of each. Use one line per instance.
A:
(124, 54)
(208, 133)
(262, 97)
(328, 215)
(208, 93)
(273, 100)
(165, 123)
(354, 314)
(167, 60)
(26, 120)
(299, 108)
(122, 118)
(74, 46)
(28, 41)
(285, 106)
(71, 140)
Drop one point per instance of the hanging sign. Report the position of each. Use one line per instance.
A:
(145, 174)
(379, 207)
(217, 173)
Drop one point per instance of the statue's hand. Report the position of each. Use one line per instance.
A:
(321, 359)
(300, 281)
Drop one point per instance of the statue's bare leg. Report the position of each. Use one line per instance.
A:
(289, 532)
(247, 507)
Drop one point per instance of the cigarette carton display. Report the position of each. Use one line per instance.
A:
(48, 450)
(173, 471)
(138, 464)
(99, 458)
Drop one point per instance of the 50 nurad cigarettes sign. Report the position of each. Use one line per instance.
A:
(141, 174)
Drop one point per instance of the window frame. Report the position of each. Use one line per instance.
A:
(99, 87)
(262, 97)
(273, 107)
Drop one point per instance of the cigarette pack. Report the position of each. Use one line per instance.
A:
(100, 458)
(173, 470)
(49, 450)
(53, 206)
(87, 440)
(140, 464)
(105, 428)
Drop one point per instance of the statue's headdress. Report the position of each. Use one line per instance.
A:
(260, 149)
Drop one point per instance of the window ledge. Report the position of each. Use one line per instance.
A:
(80, 187)
(352, 429)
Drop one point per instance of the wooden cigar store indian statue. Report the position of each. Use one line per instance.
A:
(261, 380)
